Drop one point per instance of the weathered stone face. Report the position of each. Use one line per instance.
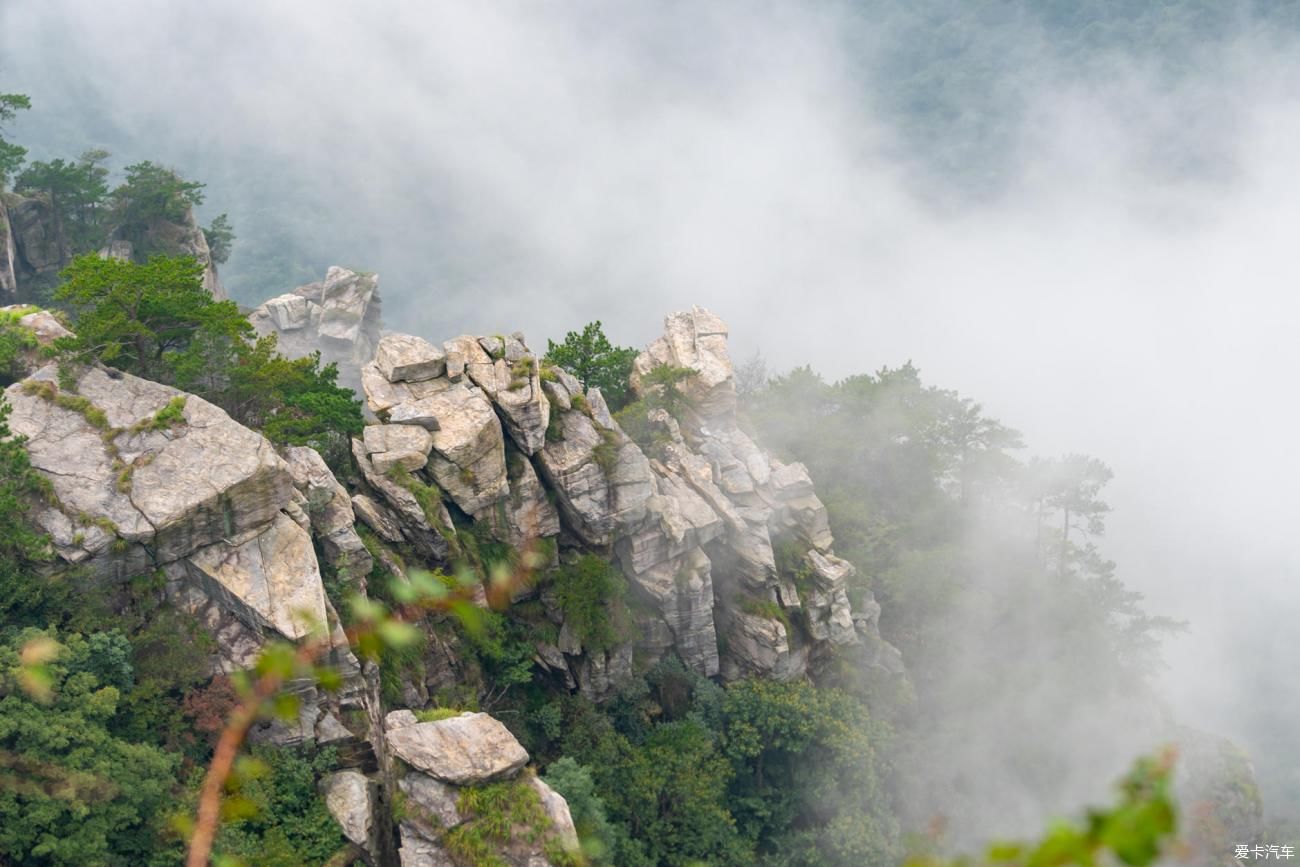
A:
(392, 445)
(188, 486)
(404, 510)
(525, 514)
(39, 247)
(598, 500)
(515, 389)
(696, 339)
(468, 459)
(272, 580)
(329, 511)
(382, 395)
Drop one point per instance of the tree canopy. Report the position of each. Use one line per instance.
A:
(596, 362)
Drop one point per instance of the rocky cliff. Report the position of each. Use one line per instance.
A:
(471, 436)
(34, 247)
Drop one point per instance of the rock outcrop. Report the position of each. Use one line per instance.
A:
(705, 555)
(473, 442)
(36, 249)
(146, 479)
(339, 317)
(131, 490)
(691, 516)
(329, 512)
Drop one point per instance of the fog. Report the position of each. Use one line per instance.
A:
(1126, 289)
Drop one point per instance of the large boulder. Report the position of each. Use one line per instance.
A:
(382, 395)
(557, 810)
(526, 514)
(397, 445)
(468, 460)
(696, 339)
(758, 645)
(512, 381)
(347, 797)
(406, 511)
(173, 487)
(405, 358)
(465, 750)
(344, 300)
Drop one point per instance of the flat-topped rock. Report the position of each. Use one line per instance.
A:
(465, 750)
(406, 358)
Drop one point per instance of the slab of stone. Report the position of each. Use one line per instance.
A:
(465, 750)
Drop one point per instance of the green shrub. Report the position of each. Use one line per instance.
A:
(170, 416)
(15, 341)
(501, 814)
(597, 363)
(765, 608)
(592, 594)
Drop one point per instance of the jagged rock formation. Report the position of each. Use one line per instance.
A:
(473, 434)
(691, 520)
(339, 317)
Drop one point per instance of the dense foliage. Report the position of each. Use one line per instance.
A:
(74, 792)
